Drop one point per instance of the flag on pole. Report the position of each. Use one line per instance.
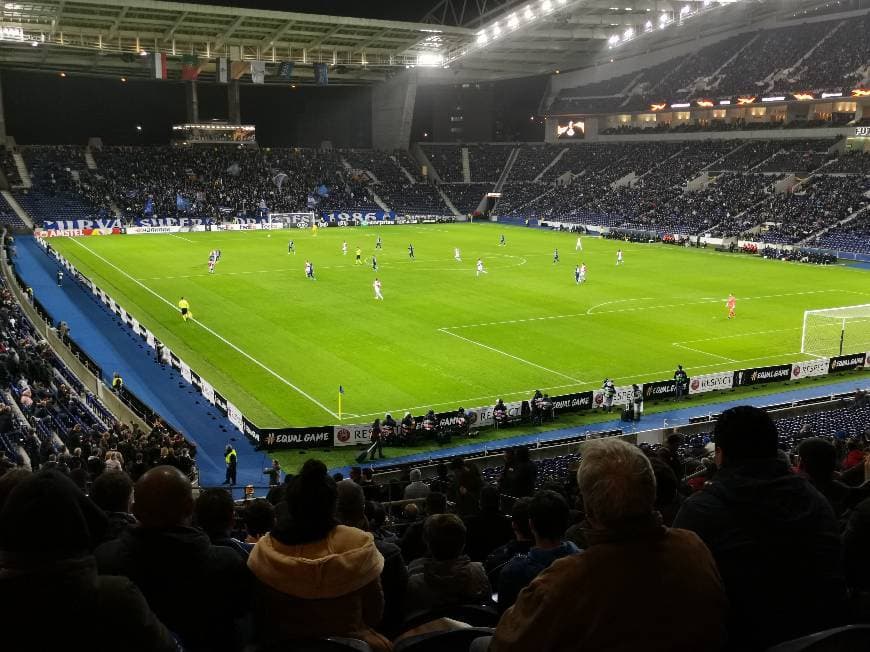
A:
(223, 74)
(258, 72)
(158, 65)
(285, 70)
(189, 67)
(321, 74)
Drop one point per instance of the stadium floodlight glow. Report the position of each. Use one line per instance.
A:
(482, 38)
(684, 10)
(496, 30)
(512, 21)
(647, 26)
(429, 59)
(546, 5)
(775, 98)
(528, 13)
(613, 40)
(628, 33)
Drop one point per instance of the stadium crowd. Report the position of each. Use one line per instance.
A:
(716, 523)
(807, 56)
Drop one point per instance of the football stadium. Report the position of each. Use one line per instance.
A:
(333, 326)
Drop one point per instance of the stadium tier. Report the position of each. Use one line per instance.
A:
(506, 327)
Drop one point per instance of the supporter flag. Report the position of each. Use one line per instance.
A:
(149, 205)
(323, 191)
(312, 201)
(223, 66)
(279, 179)
(181, 203)
(239, 69)
(234, 169)
(158, 65)
(189, 67)
(321, 74)
(285, 70)
(258, 72)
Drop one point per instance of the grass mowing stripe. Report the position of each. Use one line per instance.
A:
(301, 392)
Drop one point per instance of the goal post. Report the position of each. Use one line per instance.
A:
(836, 331)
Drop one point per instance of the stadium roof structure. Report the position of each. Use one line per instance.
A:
(499, 39)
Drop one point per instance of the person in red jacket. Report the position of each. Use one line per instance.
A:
(854, 455)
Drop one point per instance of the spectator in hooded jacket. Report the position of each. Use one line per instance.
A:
(775, 537)
(314, 576)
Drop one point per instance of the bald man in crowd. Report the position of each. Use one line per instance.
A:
(198, 590)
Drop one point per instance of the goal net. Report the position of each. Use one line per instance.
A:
(836, 331)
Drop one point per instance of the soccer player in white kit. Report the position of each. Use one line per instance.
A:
(579, 246)
(344, 248)
(456, 255)
(619, 260)
(377, 288)
(582, 278)
(480, 269)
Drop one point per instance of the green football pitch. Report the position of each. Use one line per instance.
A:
(278, 345)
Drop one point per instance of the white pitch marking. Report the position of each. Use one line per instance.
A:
(301, 392)
(182, 238)
(712, 355)
(512, 356)
(639, 308)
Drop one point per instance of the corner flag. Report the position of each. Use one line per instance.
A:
(340, 392)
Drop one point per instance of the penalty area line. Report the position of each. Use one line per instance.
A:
(218, 336)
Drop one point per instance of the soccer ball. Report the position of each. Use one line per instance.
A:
(269, 235)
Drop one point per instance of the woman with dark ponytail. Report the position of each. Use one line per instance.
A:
(316, 578)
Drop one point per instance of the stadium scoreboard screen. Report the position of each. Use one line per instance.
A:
(214, 133)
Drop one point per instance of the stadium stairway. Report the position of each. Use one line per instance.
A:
(113, 346)
(678, 416)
